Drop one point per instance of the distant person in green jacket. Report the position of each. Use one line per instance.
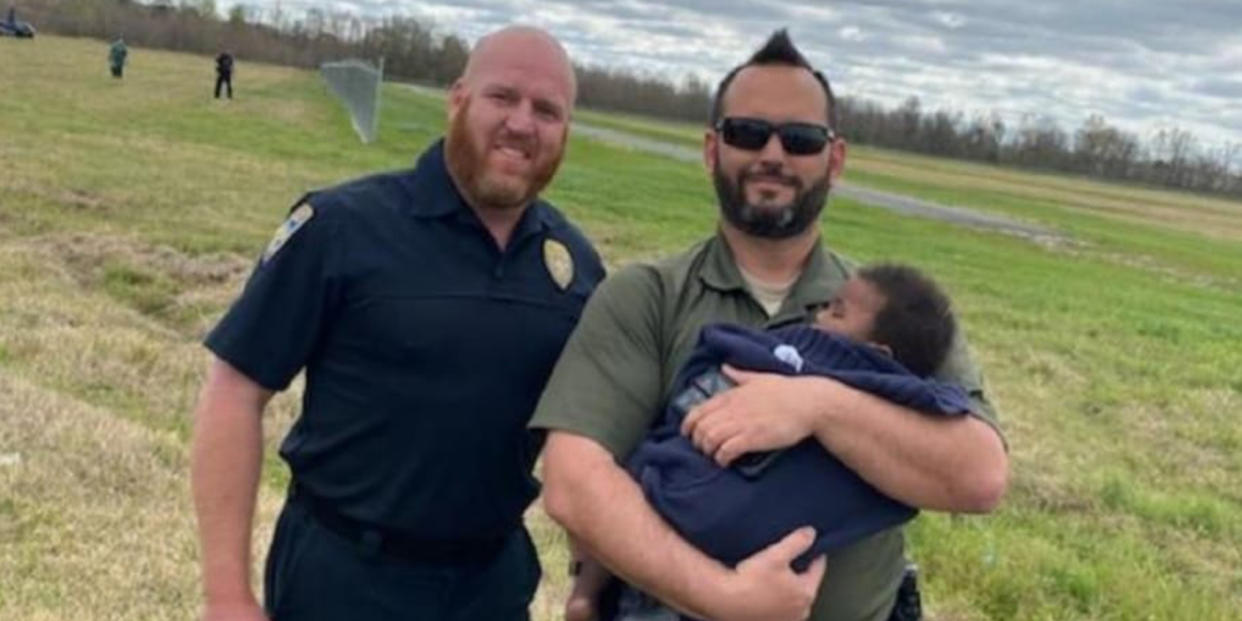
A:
(116, 56)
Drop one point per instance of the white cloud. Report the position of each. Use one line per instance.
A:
(852, 33)
(949, 20)
(1141, 63)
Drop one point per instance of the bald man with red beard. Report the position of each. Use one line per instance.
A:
(427, 308)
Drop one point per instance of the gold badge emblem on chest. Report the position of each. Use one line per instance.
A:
(559, 262)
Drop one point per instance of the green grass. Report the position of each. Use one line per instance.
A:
(683, 133)
(131, 211)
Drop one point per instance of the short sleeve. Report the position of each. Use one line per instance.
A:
(270, 331)
(961, 369)
(606, 384)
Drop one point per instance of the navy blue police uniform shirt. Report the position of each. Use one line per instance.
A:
(425, 348)
(731, 513)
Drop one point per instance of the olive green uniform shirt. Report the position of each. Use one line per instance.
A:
(639, 328)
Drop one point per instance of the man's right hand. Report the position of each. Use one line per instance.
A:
(225, 460)
(234, 611)
(765, 588)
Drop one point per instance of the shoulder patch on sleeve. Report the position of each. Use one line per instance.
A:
(301, 215)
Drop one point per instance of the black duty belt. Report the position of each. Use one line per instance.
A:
(393, 543)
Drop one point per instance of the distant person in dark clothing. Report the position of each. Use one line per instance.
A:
(116, 57)
(224, 73)
(13, 27)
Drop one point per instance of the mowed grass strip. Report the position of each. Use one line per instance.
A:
(131, 212)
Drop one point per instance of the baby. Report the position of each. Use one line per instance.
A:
(887, 329)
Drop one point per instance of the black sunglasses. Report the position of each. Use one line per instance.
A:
(753, 134)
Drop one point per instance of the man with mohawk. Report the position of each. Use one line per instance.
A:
(773, 153)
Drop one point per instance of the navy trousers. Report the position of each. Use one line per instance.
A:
(315, 574)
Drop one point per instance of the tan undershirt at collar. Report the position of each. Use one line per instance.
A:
(769, 295)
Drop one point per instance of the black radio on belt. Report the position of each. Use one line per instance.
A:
(909, 606)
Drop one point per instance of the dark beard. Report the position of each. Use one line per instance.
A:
(465, 161)
(769, 223)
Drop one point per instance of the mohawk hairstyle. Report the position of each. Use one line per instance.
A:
(917, 320)
(777, 50)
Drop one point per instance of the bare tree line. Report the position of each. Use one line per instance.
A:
(415, 51)
(411, 51)
(1172, 157)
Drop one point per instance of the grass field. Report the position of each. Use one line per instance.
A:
(131, 211)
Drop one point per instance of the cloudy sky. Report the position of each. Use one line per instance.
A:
(1142, 64)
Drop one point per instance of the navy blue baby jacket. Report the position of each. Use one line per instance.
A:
(731, 513)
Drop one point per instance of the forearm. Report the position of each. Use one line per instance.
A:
(948, 464)
(599, 504)
(224, 473)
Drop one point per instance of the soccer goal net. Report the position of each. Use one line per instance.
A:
(357, 84)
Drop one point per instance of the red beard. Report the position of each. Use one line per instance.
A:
(468, 162)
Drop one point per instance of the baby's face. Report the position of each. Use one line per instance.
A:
(853, 311)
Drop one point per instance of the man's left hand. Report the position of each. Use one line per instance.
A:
(765, 411)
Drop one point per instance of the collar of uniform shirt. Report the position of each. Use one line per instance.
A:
(430, 179)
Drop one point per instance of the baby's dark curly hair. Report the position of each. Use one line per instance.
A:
(917, 320)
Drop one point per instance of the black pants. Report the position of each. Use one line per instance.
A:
(226, 80)
(314, 574)
(622, 602)
(117, 70)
